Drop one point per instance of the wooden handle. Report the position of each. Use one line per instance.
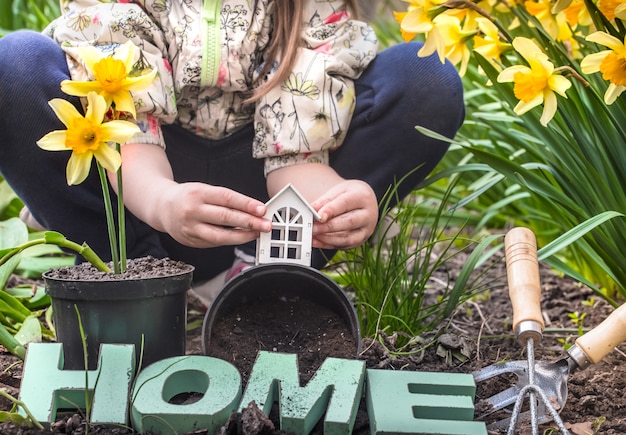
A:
(602, 339)
(522, 268)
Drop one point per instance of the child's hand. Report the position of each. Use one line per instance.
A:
(204, 216)
(348, 212)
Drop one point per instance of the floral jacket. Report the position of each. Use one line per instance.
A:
(208, 56)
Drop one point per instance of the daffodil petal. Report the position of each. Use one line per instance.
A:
(126, 53)
(79, 89)
(90, 56)
(620, 12)
(524, 106)
(549, 108)
(141, 82)
(96, 108)
(612, 92)
(53, 141)
(508, 74)
(124, 102)
(64, 110)
(118, 131)
(591, 63)
(560, 84)
(545, 65)
(607, 40)
(78, 167)
(526, 47)
(415, 21)
(108, 157)
(428, 48)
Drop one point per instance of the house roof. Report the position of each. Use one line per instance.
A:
(300, 197)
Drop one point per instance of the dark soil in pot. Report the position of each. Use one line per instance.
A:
(138, 268)
(288, 325)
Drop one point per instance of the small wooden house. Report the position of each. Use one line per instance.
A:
(292, 229)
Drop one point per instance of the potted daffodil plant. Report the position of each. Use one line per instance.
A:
(110, 302)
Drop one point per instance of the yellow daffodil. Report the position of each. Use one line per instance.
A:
(87, 137)
(534, 84)
(454, 39)
(488, 43)
(418, 19)
(612, 9)
(542, 11)
(577, 14)
(611, 63)
(434, 43)
(113, 77)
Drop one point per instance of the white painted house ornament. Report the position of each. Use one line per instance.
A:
(290, 240)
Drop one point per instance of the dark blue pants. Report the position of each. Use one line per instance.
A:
(396, 93)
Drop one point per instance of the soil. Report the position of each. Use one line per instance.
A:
(287, 325)
(138, 268)
(479, 334)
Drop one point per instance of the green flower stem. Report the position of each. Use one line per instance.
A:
(121, 218)
(54, 238)
(24, 407)
(109, 214)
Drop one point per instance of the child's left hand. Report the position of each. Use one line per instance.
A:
(349, 214)
(348, 208)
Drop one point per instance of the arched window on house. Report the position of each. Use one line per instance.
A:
(286, 239)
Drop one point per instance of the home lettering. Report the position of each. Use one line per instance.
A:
(400, 402)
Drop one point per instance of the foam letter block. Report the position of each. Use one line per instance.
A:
(335, 389)
(47, 388)
(421, 403)
(218, 381)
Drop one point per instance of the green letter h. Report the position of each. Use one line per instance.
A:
(47, 388)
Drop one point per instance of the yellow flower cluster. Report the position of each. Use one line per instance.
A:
(93, 136)
(517, 39)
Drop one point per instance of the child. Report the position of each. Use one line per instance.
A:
(288, 91)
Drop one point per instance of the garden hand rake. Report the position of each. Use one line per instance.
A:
(547, 380)
(525, 294)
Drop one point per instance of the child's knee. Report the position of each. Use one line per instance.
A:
(424, 88)
(25, 52)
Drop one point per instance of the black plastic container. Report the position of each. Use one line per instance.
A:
(269, 282)
(120, 312)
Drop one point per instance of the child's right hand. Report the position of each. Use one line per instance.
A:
(204, 216)
(194, 214)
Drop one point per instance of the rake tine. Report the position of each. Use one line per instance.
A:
(543, 418)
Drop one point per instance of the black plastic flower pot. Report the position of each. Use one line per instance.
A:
(152, 311)
(275, 282)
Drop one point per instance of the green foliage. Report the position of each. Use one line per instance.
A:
(10, 204)
(551, 178)
(23, 305)
(26, 14)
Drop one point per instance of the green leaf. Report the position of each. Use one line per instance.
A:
(33, 301)
(15, 418)
(30, 331)
(33, 267)
(13, 232)
(576, 233)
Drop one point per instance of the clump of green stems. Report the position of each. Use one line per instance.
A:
(400, 282)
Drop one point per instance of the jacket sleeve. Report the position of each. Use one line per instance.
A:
(106, 24)
(309, 114)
